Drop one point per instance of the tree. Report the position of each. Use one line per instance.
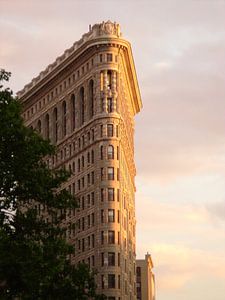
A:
(34, 255)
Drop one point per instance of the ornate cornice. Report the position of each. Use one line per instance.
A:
(104, 29)
(101, 34)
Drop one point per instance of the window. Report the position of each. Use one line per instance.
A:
(118, 259)
(83, 245)
(103, 281)
(102, 215)
(39, 126)
(91, 98)
(47, 126)
(101, 152)
(93, 198)
(110, 173)
(92, 156)
(82, 106)
(93, 219)
(101, 130)
(64, 118)
(78, 166)
(82, 160)
(55, 125)
(102, 174)
(111, 237)
(102, 195)
(73, 112)
(109, 105)
(118, 153)
(109, 57)
(93, 260)
(111, 281)
(111, 258)
(109, 80)
(110, 152)
(102, 237)
(110, 194)
(93, 240)
(111, 215)
(102, 258)
(110, 130)
(93, 177)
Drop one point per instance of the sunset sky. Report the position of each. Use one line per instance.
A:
(179, 53)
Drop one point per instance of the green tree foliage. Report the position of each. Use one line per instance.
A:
(34, 255)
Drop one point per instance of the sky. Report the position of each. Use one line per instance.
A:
(179, 53)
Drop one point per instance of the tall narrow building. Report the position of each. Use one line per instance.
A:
(85, 103)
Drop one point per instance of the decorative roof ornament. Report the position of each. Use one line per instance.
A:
(109, 28)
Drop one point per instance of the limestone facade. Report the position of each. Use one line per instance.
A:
(85, 103)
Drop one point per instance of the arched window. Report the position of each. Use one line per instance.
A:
(110, 152)
(39, 126)
(82, 106)
(91, 98)
(73, 115)
(47, 126)
(55, 125)
(64, 118)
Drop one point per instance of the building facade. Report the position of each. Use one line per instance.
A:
(85, 103)
(145, 279)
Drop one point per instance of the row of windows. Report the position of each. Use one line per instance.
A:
(87, 222)
(90, 180)
(90, 222)
(90, 243)
(91, 157)
(59, 89)
(106, 237)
